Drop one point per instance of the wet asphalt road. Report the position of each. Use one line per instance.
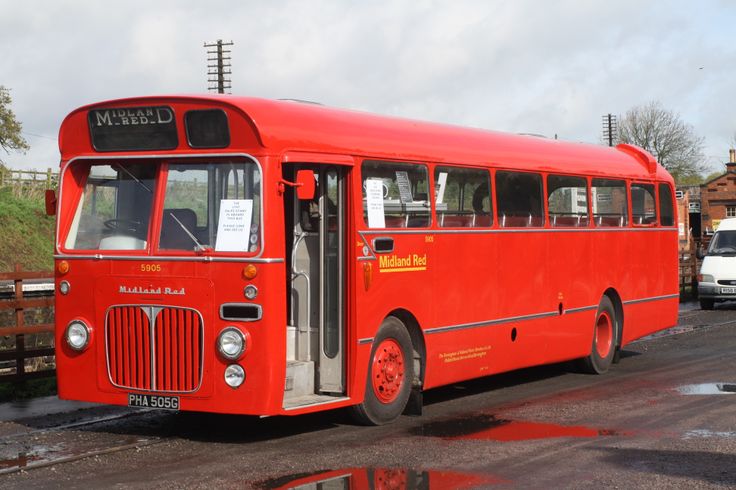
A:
(664, 417)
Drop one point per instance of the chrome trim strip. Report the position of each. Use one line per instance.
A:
(491, 231)
(152, 311)
(653, 298)
(488, 323)
(157, 258)
(581, 309)
(176, 156)
(368, 340)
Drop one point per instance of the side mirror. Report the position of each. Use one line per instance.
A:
(305, 185)
(50, 198)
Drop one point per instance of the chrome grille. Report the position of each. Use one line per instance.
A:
(154, 348)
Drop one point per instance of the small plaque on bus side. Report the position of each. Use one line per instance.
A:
(133, 128)
(153, 401)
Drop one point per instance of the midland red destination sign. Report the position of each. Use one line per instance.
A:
(132, 116)
(133, 128)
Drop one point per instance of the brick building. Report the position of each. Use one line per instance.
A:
(718, 197)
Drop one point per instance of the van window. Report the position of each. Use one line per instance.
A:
(666, 208)
(609, 202)
(643, 208)
(462, 197)
(519, 199)
(567, 201)
(723, 243)
(395, 195)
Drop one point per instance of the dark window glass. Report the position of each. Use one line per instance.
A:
(643, 205)
(207, 128)
(519, 199)
(133, 128)
(666, 208)
(462, 197)
(609, 202)
(567, 201)
(395, 195)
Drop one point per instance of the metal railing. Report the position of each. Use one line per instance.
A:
(13, 312)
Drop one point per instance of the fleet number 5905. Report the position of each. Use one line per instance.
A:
(150, 267)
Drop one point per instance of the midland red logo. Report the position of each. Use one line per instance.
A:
(132, 116)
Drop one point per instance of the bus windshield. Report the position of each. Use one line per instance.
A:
(723, 243)
(206, 206)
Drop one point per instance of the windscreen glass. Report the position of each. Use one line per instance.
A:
(114, 210)
(723, 243)
(212, 206)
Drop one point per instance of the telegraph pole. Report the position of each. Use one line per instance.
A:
(218, 66)
(610, 129)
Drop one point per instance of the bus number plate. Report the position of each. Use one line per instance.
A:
(728, 290)
(153, 401)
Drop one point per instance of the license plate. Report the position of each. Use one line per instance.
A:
(153, 401)
(728, 290)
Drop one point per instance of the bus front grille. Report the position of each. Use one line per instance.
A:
(154, 348)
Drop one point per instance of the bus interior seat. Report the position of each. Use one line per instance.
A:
(172, 234)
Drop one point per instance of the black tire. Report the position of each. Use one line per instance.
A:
(385, 397)
(606, 333)
(706, 304)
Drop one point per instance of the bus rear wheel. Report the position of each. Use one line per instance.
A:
(605, 339)
(390, 375)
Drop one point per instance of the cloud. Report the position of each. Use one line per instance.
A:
(525, 66)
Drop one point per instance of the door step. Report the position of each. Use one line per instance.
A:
(310, 400)
(299, 379)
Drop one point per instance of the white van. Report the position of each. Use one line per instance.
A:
(717, 278)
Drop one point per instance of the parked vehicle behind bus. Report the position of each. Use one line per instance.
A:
(717, 278)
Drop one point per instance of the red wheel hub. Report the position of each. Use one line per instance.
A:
(387, 370)
(603, 334)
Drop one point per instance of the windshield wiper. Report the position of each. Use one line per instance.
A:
(127, 172)
(200, 247)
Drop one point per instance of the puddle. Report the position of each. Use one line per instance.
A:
(20, 462)
(708, 389)
(707, 434)
(379, 478)
(489, 427)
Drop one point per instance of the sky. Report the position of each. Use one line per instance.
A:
(550, 67)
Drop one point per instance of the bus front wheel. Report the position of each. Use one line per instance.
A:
(390, 375)
(605, 339)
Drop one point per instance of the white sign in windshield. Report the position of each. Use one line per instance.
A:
(233, 227)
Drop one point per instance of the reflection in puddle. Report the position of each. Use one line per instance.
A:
(708, 389)
(379, 479)
(489, 427)
(707, 434)
(20, 462)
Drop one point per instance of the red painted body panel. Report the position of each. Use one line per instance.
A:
(485, 301)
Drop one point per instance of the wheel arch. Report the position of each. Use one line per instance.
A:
(419, 347)
(618, 307)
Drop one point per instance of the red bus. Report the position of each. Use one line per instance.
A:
(239, 255)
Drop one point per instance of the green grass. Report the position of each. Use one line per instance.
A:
(31, 388)
(27, 235)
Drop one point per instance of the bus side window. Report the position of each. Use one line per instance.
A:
(610, 207)
(666, 208)
(462, 197)
(643, 205)
(519, 197)
(567, 201)
(395, 195)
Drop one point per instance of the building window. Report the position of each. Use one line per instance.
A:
(730, 211)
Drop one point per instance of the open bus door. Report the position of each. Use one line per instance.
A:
(315, 245)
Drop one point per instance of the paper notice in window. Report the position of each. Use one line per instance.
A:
(233, 227)
(402, 180)
(440, 186)
(374, 203)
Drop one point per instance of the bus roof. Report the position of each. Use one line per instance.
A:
(283, 125)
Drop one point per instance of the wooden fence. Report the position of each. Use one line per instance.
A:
(38, 179)
(18, 304)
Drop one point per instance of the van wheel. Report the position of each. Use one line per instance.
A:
(706, 304)
(390, 375)
(605, 339)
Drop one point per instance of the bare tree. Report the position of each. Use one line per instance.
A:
(10, 128)
(662, 133)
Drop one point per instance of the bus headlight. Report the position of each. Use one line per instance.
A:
(250, 291)
(231, 343)
(77, 335)
(234, 375)
(64, 287)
